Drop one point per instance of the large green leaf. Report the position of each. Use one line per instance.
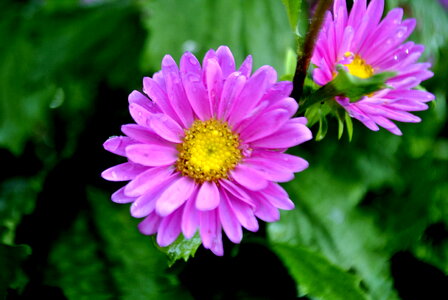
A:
(52, 61)
(319, 277)
(293, 10)
(11, 274)
(252, 27)
(138, 268)
(76, 264)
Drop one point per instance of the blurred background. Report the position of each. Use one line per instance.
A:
(371, 217)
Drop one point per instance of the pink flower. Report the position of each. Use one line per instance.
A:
(366, 46)
(208, 148)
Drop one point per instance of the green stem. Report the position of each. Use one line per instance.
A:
(304, 57)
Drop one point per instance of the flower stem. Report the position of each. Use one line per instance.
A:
(304, 57)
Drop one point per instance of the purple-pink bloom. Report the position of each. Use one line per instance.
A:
(366, 46)
(207, 149)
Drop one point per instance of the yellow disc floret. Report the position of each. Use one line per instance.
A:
(209, 151)
(359, 68)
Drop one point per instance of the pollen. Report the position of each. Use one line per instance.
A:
(209, 150)
(359, 68)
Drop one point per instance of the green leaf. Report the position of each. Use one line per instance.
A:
(17, 198)
(293, 11)
(81, 274)
(326, 222)
(319, 277)
(11, 274)
(323, 128)
(49, 54)
(139, 268)
(252, 27)
(182, 248)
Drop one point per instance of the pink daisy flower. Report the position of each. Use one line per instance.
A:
(366, 46)
(208, 148)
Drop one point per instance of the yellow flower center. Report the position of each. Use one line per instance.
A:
(209, 151)
(358, 67)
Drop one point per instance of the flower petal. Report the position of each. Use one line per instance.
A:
(120, 197)
(175, 91)
(147, 180)
(167, 128)
(151, 155)
(226, 60)
(252, 92)
(150, 224)
(123, 172)
(277, 196)
(175, 195)
(208, 196)
(229, 221)
(169, 229)
(117, 144)
(248, 177)
(232, 88)
(291, 134)
(191, 74)
(210, 230)
(244, 213)
(190, 217)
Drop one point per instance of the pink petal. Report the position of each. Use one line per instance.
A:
(151, 155)
(265, 210)
(226, 60)
(144, 135)
(252, 92)
(264, 125)
(140, 115)
(229, 221)
(291, 134)
(150, 224)
(246, 67)
(270, 170)
(291, 162)
(167, 128)
(232, 88)
(288, 104)
(244, 213)
(236, 191)
(117, 144)
(123, 172)
(147, 181)
(248, 177)
(277, 196)
(208, 196)
(120, 197)
(146, 203)
(169, 229)
(143, 101)
(175, 91)
(210, 230)
(190, 217)
(175, 195)
(191, 74)
(214, 80)
(159, 96)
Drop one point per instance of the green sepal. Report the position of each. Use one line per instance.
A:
(323, 128)
(353, 87)
(182, 248)
(349, 123)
